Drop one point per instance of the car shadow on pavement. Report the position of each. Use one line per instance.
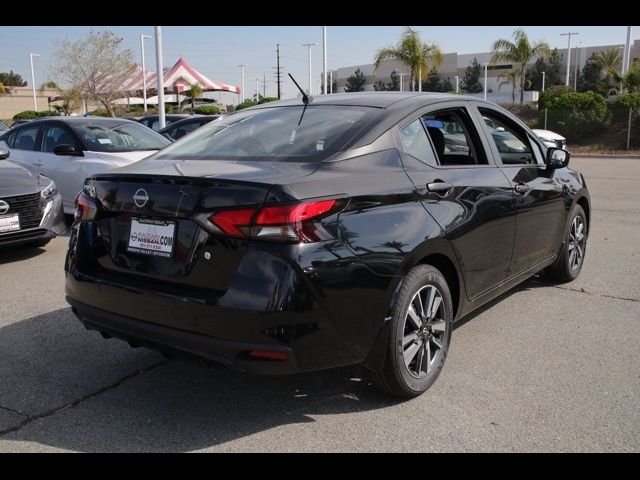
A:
(101, 395)
(22, 252)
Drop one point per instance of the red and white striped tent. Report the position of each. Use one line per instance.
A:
(176, 79)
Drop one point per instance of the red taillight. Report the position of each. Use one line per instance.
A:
(235, 223)
(85, 207)
(269, 355)
(295, 223)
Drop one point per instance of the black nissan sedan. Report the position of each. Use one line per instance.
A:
(289, 237)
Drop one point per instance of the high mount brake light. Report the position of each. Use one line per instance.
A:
(297, 223)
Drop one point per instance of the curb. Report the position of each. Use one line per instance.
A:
(605, 155)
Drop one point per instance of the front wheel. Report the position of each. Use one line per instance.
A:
(422, 318)
(569, 264)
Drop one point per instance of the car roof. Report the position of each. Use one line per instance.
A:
(79, 121)
(172, 115)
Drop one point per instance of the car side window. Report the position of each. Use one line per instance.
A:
(10, 138)
(25, 138)
(415, 141)
(454, 138)
(512, 141)
(55, 135)
(537, 152)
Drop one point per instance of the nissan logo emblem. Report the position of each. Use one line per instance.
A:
(141, 197)
(4, 207)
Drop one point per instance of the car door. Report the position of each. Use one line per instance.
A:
(24, 144)
(463, 190)
(539, 196)
(65, 170)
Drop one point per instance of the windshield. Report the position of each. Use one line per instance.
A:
(272, 134)
(126, 137)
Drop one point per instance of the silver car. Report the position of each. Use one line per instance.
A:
(69, 149)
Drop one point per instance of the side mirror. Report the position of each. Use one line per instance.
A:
(67, 150)
(4, 153)
(557, 158)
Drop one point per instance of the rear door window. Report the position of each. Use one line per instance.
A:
(25, 139)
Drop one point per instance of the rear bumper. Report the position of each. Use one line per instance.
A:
(229, 353)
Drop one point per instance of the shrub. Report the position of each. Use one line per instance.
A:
(31, 114)
(246, 104)
(582, 112)
(268, 99)
(99, 112)
(551, 93)
(630, 100)
(207, 110)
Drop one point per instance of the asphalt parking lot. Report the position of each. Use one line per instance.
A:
(544, 368)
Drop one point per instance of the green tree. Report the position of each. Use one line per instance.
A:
(610, 62)
(520, 52)
(12, 79)
(435, 83)
(355, 83)
(534, 74)
(591, 76)
(553, 74)
(510, 78)
(631, 80)
(471, 80)
(95, 66)
(417, 55)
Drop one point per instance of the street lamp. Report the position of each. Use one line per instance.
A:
(324, 60)
(485, 79)
(543, 75)
(33, 81)
(242, 65)
(160, 76)
(144, 76)
(309, 45)
(568, 34)
(457, 81)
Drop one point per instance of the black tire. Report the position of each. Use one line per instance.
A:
(566, 269)
(396, 377)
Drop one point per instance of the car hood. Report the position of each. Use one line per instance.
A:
(120, 159)
(548, 134)
(17, 179)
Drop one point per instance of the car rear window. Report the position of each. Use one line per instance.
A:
(272, 134)
(126, 137)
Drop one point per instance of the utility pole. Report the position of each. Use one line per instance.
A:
(324, 60)
(568, 35)
(242, 65)
(331, 81)
(627, 52)
(264, 85)
(160, 76)
(33, 81)
(278, 73)
(309, 45)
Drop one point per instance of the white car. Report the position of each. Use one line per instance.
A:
(69, 149)
(551, 139)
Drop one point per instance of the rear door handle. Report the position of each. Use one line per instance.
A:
(522, 188)
(439, 187)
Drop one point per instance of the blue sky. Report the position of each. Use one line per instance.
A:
(216, 51)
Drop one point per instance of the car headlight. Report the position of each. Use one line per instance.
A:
(50, 190)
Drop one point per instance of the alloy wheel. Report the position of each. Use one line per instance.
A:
(424, 331)
(577, 243)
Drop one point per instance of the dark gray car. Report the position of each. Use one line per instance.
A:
(30, 205)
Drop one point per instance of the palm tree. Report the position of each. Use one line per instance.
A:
(511, 78)
(417, 55)
(194, 92)
(610, 62)
(521, 52)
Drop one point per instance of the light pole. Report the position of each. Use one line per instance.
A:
(160, 76)
(485, 79)
(627, 52)
(309, 45)
(331, 81)
(324, 60)
(568, 35)
(33, 81)
(543, 75)
(420, 78)
(400, 74)
(144, 72)
(242, 65)
(457, 81)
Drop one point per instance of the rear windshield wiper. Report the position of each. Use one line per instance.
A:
(306, 99)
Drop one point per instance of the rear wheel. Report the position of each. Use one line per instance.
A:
(568, 266)
(422, 319)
